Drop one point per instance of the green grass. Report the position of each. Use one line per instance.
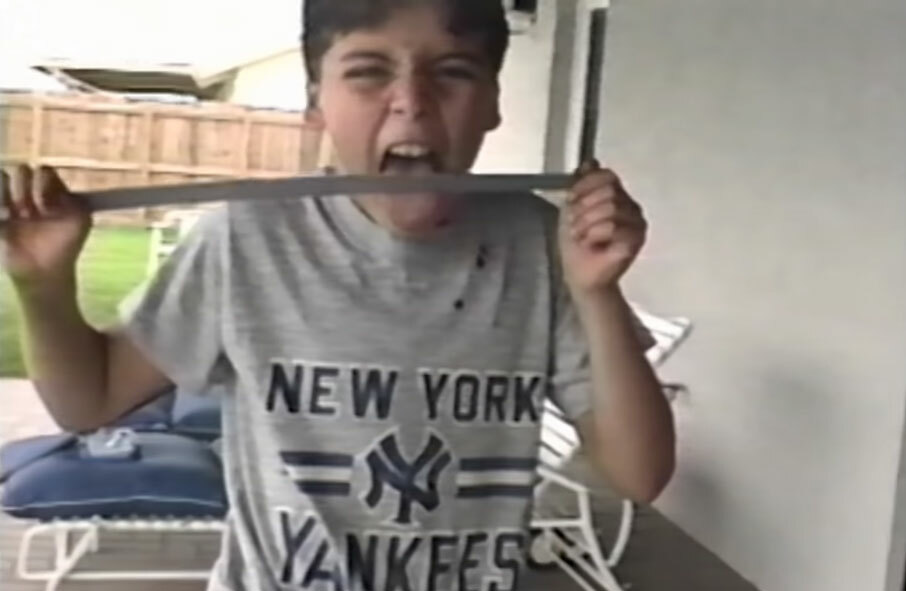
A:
(113, 264)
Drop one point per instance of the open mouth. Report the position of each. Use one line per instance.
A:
(410, 158)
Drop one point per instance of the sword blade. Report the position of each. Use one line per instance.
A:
(318, 186)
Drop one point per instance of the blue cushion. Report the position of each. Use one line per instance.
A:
(154, 416)
(198, 415)
(174, 476)
(15, 457)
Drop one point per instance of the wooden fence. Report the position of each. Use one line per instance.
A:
(99, 143)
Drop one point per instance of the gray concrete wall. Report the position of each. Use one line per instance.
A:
(768, 141)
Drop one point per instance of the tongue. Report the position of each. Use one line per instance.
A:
(399, 165)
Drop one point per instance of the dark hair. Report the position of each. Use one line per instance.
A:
(324, 20)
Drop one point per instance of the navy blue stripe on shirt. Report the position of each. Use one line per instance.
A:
(316, 458)
(323, 488)
(495, 490)
(488, 464)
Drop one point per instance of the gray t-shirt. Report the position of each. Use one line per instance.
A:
(381, 420)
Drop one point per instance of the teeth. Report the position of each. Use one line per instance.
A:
(410, 150)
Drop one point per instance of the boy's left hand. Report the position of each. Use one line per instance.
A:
(602, 231)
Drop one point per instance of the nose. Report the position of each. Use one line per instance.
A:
(412, 96)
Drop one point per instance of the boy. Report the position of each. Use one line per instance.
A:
(386, 357)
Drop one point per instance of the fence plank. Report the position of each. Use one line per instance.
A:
(147, 145)
(102, 142)
(37, 133)
(245, 142)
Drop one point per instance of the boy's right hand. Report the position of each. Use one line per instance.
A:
(45, 230)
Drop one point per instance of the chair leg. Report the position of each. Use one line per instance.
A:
(65, 558)
(61, 545)
(66, 563)
(540, 556)
(619, 545)
(603, 576)
(25, 550)
(95, 539)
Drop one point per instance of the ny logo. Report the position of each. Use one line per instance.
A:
(389, 467)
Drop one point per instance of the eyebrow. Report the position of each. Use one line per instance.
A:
(363, 54)
(370, 54)
(463, 56)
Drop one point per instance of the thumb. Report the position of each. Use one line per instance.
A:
(588, 166)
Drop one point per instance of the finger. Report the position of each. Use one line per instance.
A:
(21, 192)
(626, 242)
(4, 183)
(603, 210)
(6, 187)
(629, 211)
(593, 181)
(625, 202)
(620, 239)
(630, 221)
(599, 233)
(49, 191)
(600, 198)
(587, 167)
(618, 222)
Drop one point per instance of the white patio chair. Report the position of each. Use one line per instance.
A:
(570, 540)
(68, 554)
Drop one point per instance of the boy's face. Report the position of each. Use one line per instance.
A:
(407, 98)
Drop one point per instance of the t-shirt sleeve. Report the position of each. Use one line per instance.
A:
(571, 379)
(175, 318)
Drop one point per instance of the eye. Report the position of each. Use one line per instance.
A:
(457, 72)
(366, 73)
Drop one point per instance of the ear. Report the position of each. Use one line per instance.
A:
(494, 117)
(495, 120)
(313, 117)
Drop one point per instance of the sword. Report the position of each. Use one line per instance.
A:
(471, 185)
(324, 186)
